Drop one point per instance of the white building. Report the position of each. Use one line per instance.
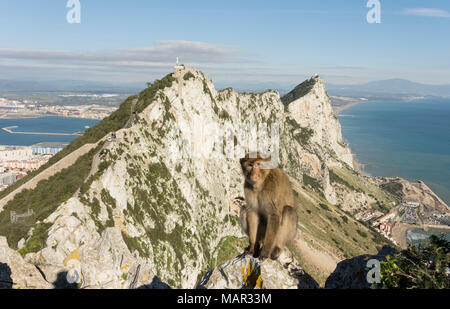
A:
(412, 203)
(8, 153)
(178, 66)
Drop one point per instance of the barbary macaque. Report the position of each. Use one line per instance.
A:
(270, 216)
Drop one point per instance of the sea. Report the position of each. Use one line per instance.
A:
(418, 235)
(405, 139)
(50, 124)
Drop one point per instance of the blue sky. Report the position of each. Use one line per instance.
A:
(235, 42)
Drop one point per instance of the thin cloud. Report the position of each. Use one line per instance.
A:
(429, 12)
(343, 67)
(163, 53)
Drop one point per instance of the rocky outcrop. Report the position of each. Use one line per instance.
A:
(352, 273)
(310, 105)
(159, 200)
(15, 273)
(429, 202)
(161, 197)
(245, 272)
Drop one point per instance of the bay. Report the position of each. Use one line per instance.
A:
(49, 124)
(405, 139)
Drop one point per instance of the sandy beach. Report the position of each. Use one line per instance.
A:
(338, 109)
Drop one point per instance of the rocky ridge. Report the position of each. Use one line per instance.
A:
(158, 208)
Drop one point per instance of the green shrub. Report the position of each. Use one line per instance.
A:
(188, 76)
(361, 233)
(147, 96)
(421, 266)
(37, 240)
(323, 206)
(335, 178)
(314, 183)
(304, 136)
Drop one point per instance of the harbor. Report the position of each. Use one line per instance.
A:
(8, 129)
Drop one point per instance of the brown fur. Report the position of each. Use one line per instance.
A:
(270, 218)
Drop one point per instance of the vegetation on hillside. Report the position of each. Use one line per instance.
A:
(112, 123)
(43, 200)
(299, 91)
(384, 200)
(424, 266)
(327, 228)
(148, 95)
(188, 76)
(50, 193)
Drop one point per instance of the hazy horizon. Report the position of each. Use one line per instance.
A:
(236, 42)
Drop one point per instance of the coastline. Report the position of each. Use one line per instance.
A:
(400, 230)
(3, 116)
(338, 109)
(358, 166)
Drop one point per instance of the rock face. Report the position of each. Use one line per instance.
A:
(352, 273)
(312, 109)
(160, 203)
(15, 273)
(159, 199)
(244, 272)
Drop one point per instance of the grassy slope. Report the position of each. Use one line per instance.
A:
(354, 181)
(329, 229)
(111, 123)
(50, 193)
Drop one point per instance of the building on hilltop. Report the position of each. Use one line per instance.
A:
(178, 66)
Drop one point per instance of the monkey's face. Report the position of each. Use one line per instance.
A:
(252, 170)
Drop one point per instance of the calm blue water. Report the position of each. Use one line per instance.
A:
(414, 236)
(52, 124)
(406, 139)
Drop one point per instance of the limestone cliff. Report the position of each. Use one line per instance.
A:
(157, 208)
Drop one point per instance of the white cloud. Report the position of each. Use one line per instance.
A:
(162, 54)
(430, 12)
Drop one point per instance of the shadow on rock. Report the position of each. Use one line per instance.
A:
(6, 281)
(352, 273)
(62, 281)
(156, 284)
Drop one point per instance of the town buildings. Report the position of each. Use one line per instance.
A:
(17, 161)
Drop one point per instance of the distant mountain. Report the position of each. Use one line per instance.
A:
(66, 86)
(390, 87)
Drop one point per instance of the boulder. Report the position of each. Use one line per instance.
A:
(15, 273)
(245, 272)
(352, 273)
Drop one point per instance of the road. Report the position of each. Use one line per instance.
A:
(96, 159)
